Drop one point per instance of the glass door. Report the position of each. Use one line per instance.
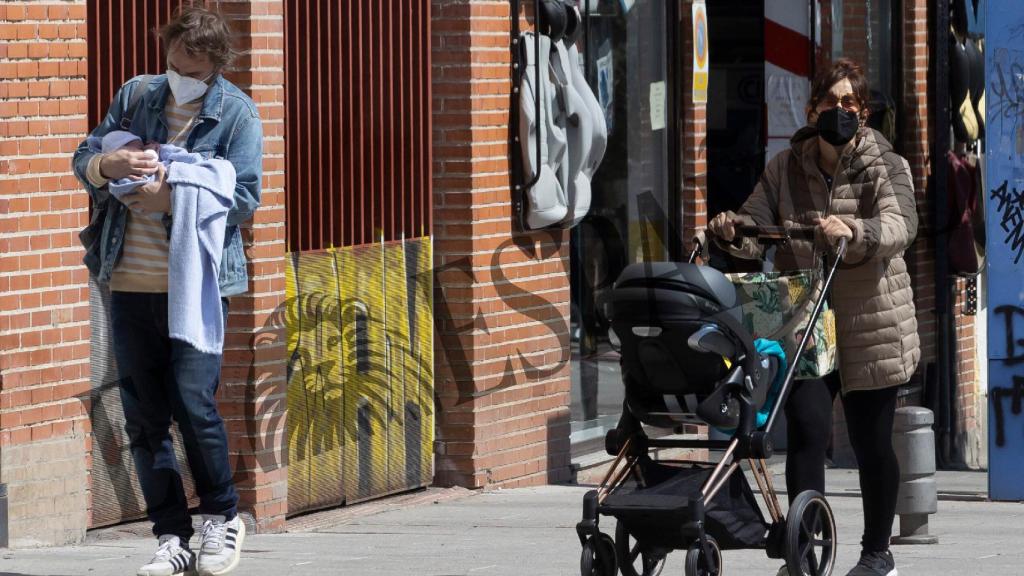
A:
(626, 45)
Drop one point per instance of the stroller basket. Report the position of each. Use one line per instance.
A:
(654, 514)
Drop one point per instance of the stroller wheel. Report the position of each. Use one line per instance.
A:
(599, 559)
(634, 560)
(810, 535)
(696, 559)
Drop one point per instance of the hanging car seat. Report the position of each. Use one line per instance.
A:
(975, 44)
(599, 134)
(965, 123)
(545, 201)
(579, 132)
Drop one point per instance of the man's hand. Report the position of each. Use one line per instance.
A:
(127, 164)
(724, 225)
(833, 229)
(152, 196)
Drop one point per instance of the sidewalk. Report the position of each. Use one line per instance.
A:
(531, 531)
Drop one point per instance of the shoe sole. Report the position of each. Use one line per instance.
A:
(187, 572)
(239, 538)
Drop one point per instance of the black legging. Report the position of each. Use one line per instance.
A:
(869, 421)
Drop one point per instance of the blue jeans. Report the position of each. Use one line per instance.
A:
(164, 378)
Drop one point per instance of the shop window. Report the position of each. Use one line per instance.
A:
(866, 31)
(627, 47)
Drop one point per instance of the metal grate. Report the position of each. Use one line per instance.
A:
(358, 126)
(123, 44)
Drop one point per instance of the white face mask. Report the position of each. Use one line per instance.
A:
(184, 88)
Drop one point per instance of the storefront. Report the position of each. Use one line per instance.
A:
(629, 48)
(672, 163)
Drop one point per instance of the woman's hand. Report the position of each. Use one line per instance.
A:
(833, 229)
(127, 164)
(724, 225)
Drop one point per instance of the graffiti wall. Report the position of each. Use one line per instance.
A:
(1004, 66)
(360, 372)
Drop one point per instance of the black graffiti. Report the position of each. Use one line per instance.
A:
(1011, 211)
(1008, 312)
(998, 394)
(1014, 356)
(1006, 89)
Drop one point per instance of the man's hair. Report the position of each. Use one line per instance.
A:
(200, 31)
(840, 69)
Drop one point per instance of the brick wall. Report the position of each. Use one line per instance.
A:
(916, 148)
(970, 393)
(252, 395)
(501, 298)
(856, 33)
(44, 331)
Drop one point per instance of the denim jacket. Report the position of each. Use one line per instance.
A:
(228, 127)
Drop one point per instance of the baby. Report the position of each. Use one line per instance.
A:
(119, 140)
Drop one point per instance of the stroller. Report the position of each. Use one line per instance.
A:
(686, 358)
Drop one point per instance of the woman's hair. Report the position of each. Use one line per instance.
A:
(200, 31)
(844, 68)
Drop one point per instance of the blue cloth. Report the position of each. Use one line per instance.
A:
(200, 204)
(768, 348)
(158, 382)
(124, 186)
(228, 127)
(771, 348)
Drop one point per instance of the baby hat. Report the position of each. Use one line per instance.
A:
(116, 139)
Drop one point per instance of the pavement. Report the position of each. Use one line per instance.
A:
(530, 531)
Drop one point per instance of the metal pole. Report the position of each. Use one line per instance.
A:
(939, 133)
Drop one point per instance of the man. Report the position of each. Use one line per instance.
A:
(194, 107)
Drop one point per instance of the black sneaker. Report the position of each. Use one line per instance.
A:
(874, 564)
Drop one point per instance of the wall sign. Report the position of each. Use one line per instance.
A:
(700, 52)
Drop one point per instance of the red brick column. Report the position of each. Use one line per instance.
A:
(693, 145)
(855, 33)
(44, 312)
(916, 149)
(252, 397)
(501, 298)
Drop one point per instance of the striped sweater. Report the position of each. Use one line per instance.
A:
(143, 263)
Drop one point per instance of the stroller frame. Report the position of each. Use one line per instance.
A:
(788, 536)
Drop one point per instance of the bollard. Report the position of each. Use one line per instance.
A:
(3, 516)
(914, 442)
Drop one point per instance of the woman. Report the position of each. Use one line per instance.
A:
(845, 179)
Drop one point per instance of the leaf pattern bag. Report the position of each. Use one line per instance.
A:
(777, 305)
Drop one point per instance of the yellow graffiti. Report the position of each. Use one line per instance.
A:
(360, 375)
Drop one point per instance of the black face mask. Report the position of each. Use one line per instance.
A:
(837, 126)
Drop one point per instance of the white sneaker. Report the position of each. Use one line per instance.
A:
(784, 571)
(170, 559)
(220, 545)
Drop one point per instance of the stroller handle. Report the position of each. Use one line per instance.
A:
(766, 235)
(775, 234)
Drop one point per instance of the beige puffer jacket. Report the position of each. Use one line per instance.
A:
(874, 194)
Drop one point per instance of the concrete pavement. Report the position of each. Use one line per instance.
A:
(531, 531)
